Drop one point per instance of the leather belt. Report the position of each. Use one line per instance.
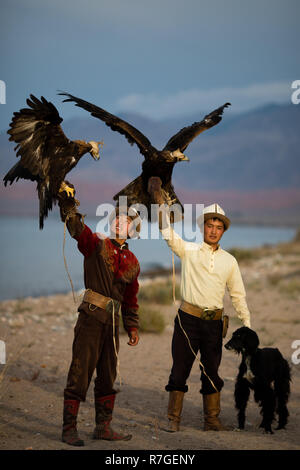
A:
(203, 313)
(99, 300)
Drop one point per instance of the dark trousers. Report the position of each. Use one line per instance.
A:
(93, 349)
(205, 336)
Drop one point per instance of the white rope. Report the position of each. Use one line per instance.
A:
(64, 244)
(65, 261)
(115, 345)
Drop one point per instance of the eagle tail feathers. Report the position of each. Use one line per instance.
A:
(46, 203)
(135, 192)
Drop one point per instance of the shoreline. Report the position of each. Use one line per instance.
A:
(279, 220)
(242, 254)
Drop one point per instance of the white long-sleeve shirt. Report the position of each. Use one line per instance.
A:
(205, 273)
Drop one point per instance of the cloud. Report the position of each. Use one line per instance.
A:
(183, 102)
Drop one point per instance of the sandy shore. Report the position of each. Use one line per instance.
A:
(38, 333)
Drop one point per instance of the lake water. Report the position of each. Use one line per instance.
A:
(32, 260)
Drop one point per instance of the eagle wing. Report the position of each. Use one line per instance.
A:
(133, 135)
(38, 135)
(185, 136)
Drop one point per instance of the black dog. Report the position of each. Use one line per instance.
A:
(264, 371)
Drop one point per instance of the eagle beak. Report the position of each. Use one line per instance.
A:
(180, 156)
(95, 151)
(95, 154)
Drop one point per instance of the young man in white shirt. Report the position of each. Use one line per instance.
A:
(206, 271)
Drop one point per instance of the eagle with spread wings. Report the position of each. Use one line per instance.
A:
(46, 154)
(156, 162)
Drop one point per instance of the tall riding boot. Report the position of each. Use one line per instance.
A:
(104, 408)
(211, 409)
(69, 432)
(174, 410)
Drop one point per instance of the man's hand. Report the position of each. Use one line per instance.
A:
(154, 184)
(133, 338)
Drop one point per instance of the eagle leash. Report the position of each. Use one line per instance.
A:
(65, 261)
(67, 216)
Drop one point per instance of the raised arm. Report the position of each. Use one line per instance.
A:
(87, 240)
(175, 242)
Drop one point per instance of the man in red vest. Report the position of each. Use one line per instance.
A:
(111, 280)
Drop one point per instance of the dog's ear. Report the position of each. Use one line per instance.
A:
(252, 341)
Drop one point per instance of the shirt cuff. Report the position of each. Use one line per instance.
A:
(131, 328)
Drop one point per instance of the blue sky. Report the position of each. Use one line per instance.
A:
(161, 58)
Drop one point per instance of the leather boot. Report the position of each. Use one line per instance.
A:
(174, 410)
(104, 408)
(211, 410)
(69, 432)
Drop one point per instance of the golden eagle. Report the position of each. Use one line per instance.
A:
(157, 162)
(46, 154)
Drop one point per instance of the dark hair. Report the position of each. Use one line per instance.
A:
(216, 218)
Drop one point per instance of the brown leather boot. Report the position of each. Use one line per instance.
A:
(211, 409)
(174, 410)
(104, 407)
(69, 432)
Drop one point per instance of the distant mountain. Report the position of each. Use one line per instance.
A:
(249, 162)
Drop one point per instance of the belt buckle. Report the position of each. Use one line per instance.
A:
(209, 314)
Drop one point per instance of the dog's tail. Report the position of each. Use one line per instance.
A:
(282, 389)
(283, 377)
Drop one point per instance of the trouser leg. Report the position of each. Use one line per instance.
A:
(85, 351)
(182, 355)
(106, 367)
(205, 335)
(211, 354)
(183, 359)
(104, 392)
(89, 335)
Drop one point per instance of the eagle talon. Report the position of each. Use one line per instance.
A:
(64, 187)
